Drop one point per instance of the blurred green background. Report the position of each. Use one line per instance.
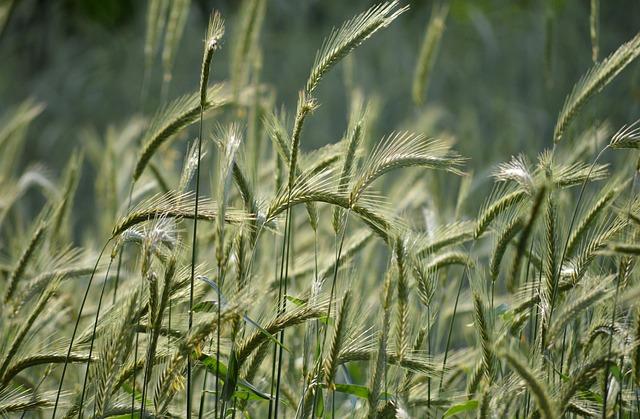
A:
(503, 70)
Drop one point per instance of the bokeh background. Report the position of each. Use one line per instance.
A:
(503, 69)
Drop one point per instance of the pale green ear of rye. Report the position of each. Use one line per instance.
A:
(599, 76)
(350, 35)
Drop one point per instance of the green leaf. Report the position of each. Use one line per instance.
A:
(361, 392)
(590, 396)
(205, 306)
(296, 301)
(319, 404)
(210, 363)
(300, 302)
(231, 379)
(247, 395)
(128, 389)
(265, 332)
(615, 371)
(507, 316)
(456, 409)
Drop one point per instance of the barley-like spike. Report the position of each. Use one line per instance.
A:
(174, 118)
(297, 316)
(114, 352)
(401, 150)
(215, 31)
(331, 362)
(594, 29)
(157, 322)
(579, 231)
(179, 206)
(578, 378)
(60, 216)
(41, 359)
(592, 245)
(156, 14)
(626, 137)
(402, 338)
(353, 142)
(449, 258)
(246, 43)
(426, 281)
(484, 335)
(429, 51)
(176, 22)
(350, 35)
(496, 208)
(576, 306)
(476, 376)
(600, 75)
(524, 237)
(22, 332)
(536, 386)
(503, 240)
(549, 292)
(306, 105)
(18, 272)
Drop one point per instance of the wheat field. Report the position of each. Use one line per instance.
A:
(232, 271)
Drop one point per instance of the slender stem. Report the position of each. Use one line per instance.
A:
(194, 244)
(429, 356)
(282, 301)
(218, 326)
(135, 372)
(117, 279)
(204, 386)
(338, 254)
(275, 347)
(609, 347)
(93, 338)
(453, 318)
(75, 329)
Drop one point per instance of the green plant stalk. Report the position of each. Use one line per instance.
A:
(214, 32)
(75, 330)
(93, 337)
(221, 277)
(429, 355)
(193, 263)
(331, 294)
(134, 374)
(282, 292)
(453, 318)
(275, 349)
(204, 385)
(117, 279)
